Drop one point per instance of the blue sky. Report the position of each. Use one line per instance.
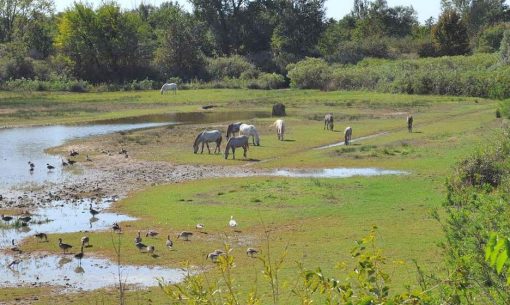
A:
(336, 8)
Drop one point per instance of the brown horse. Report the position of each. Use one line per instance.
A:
(410, 123)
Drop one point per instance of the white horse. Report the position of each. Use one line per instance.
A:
(205, 137)
(169, 86)
(280, 128)
(234, 142)
(250, 130)
(348, 135)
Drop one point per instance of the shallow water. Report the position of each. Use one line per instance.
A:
(64, 217)
(336, 173)
(20, 145)
(65, 271)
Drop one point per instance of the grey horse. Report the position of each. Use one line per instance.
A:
(234, 142)
(328, 121)
(205, 137)
(348, 135)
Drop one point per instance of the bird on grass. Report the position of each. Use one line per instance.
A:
(41, 236)
(185, 235)
(251, 252)
(116, 228)
(232, 223)
(169, 243)
(200, 226)
(92, 211)
(85, 241)
(63, 246)
(71, 162)
(151, 233)
(140, 246)
(138, 238)
(151, 249)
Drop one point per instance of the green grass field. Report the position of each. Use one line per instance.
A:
(317, 220)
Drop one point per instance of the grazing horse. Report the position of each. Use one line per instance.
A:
(410, 123)
(328, 121)
(205, 137)
(280, 128)
(250, 130)
(169, 86)
(232, 129)
(234, 142)
(348, 135)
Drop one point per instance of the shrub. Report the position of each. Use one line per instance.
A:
(310, 73)
(267, 81)
(489, 40)
(220, 68)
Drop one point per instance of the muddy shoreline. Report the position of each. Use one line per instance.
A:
(112, 176)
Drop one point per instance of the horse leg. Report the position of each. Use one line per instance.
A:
(207, 143)
(233, 153)
(244, 154)
(202, 148)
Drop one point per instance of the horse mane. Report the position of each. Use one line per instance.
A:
(198, 137)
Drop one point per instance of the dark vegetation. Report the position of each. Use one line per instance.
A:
(255, 44)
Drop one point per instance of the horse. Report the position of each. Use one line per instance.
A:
(232, 129)
(347, 135)
(410, 123)
(169, 86)
(250, 130)
(234, 142)
(280, 128)
(205, 137)
(328, 121)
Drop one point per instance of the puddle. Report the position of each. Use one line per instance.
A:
(354, 140)
(336, 173)
(64, 217)
(67, 272)
(20, 145)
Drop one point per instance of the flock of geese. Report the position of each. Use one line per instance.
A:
(150, 249)
(66, 162)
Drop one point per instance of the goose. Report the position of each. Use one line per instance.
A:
(169, 243)
(79, 255)
(92, 211)
(213, 256)
(185, 235)
(150, 249)
(63, 246)
(251, 252)
(6, 218)
(41, 236)
(116, 228)
(232, 223)
(73, 153)
(138, 239)
(151, 233)
(50, 167)
(15, 248)
(71, 162)
(25, 218)
(31, 164)
(85, 240)
(200, 226)
(122, 151)
(64, 163)
(140, 246)
(14, 263)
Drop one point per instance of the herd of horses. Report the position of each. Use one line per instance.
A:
(245, 131)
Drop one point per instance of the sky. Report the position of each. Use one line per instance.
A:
(335, 8)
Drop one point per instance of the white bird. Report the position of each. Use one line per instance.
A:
(232, 223)
(200, 226)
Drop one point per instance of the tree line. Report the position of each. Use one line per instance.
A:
(219, 39)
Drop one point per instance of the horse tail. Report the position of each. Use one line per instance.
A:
(218, 141)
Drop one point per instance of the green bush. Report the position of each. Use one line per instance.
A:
(220, 68)
(489, 40)
(267, 81)
(479, 75)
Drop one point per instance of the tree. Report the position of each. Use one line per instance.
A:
(104, 45)
(479, 13)
(16, 14)
(181, 41)
(450, 34)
